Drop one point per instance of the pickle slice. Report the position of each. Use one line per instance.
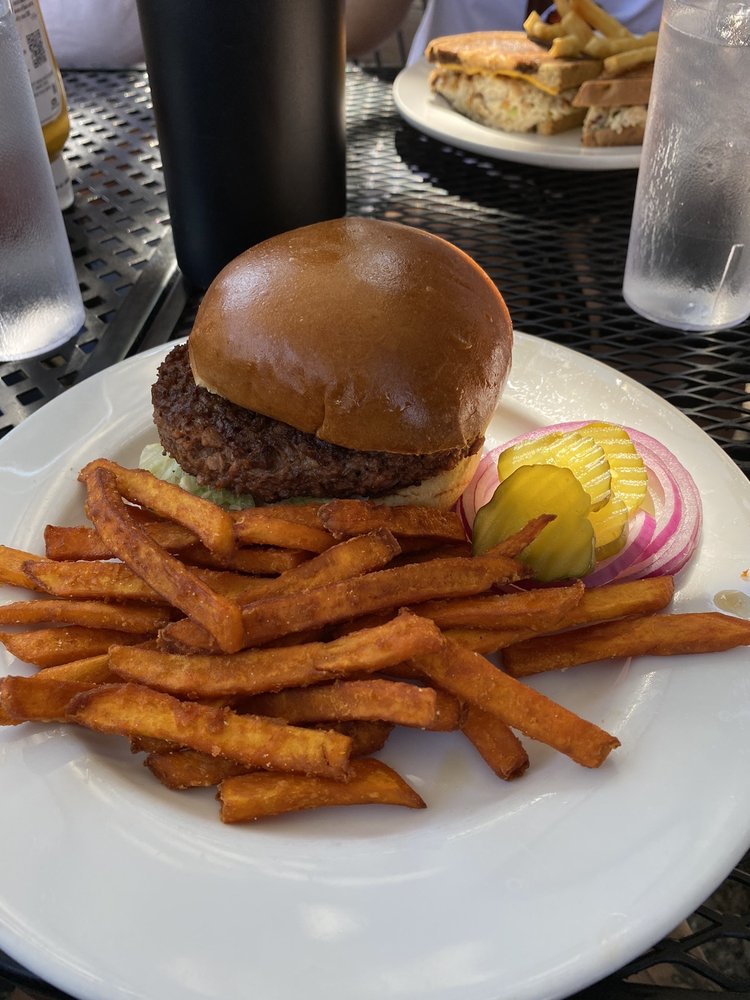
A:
(565, 548)
(629, 474)
(572, 450)
(610, 525)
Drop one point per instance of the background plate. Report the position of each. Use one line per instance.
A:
(113, 887)
(432, 115)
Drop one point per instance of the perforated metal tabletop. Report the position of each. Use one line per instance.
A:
(554, 241)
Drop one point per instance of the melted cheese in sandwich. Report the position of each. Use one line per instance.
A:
(514, 74)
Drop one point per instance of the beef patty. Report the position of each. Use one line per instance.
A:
(224, 445)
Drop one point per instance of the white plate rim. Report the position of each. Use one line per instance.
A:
(430, 114)
(184, 860)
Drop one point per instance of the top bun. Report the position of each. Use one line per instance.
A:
(371, 335)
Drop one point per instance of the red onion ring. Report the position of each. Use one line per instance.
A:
(657, 545)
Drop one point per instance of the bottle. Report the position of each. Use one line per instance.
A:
(49, 92)
(688, 264)
(40, 301)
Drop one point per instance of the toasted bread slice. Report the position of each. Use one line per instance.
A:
(512, 54)
(620, 126)
(620, 91)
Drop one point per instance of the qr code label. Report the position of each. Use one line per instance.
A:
(37, 49)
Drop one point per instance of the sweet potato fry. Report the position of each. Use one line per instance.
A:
(183, 589)
(391, 701)
(91, 669)
(131, 709)
(537, 610)
(180, 769)
(38, 699)
(496, 742)
(213, 525)
(254, 796)
(13, 569)
(262, 561)
(255, 671)
(341, 562)
(367, 735)
(83, 542)
(356, 517)
(142, 618)
(486, 640)
(255, 526)
(473, 679)
(272, 617)
(47, 647)
(513, 545)
(90, 581)
(651, 635)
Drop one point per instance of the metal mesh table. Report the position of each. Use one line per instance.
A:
(554, 242)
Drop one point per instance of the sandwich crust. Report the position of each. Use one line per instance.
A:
(498, 52)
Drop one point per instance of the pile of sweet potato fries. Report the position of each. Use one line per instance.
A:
(271, 651)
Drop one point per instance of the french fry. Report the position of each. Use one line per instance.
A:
(255, 526)
(599, 19)
(537, 610)
(514, 544)
(254, 796)
(270, 618)
(473, 679)
(89, 581)
(357, 517)
(651, 635)
(341, 562)
(169, 577)
(622, 62)
(599, 47)
(367, 735)
(91, 670)
(181, 769)
(496, 743)
(38, 699)
(13, 569)
(390, 701)
(48, 647)
(262, 561)
(255, 671)
(566, 47)
(540, 30)
(213, 525)
(141, 618)
(131, 709)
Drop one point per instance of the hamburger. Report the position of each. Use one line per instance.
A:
(350, 358)
(506, 81)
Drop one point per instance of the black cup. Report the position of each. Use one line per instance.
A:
(249, 106)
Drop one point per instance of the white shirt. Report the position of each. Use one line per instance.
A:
(93, 34)
(452, 17)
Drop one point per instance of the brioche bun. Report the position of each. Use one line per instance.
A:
(369, 337)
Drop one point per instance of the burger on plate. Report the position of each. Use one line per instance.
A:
(350, 358)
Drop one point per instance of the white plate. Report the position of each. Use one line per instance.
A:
(432, 115)
(112, 887)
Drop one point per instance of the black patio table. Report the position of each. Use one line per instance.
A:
(553, 240)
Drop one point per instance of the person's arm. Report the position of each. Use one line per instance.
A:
(369, 23)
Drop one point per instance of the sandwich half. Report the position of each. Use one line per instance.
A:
(615, 108)
(505, 80)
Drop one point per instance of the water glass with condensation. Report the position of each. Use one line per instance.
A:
(40, 301)
(688, 264)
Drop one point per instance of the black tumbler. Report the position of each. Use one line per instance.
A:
(249, 107)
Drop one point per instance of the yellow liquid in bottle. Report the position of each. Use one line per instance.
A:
(49, 92)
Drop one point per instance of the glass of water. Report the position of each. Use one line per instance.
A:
(40, 301)
(688, 264)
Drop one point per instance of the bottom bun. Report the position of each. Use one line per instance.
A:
(442, 490)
